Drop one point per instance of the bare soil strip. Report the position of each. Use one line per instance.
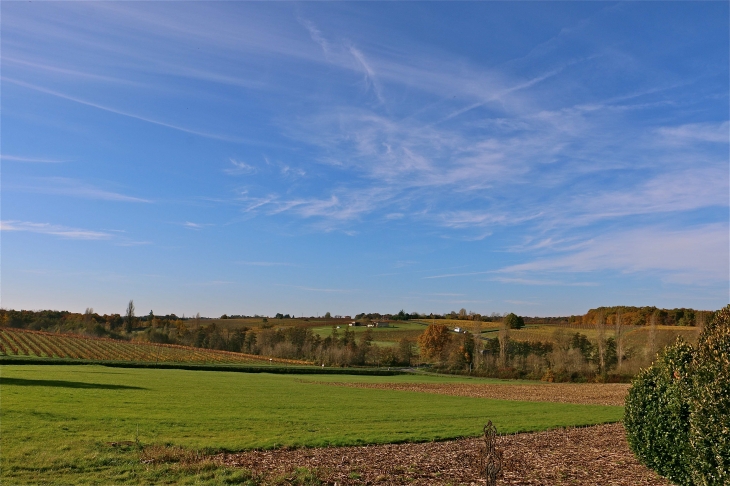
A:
(588, 456)
(580, 393)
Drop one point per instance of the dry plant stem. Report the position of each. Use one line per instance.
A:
(586, 456)
(492, 458)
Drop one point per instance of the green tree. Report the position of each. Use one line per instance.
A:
(514, 321)
(405, 351)
(129, 318)
(366, 338)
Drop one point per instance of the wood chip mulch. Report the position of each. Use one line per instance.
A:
(589, 456)
(580, 393)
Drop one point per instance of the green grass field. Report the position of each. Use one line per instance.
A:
(57, 422)
(382, 336)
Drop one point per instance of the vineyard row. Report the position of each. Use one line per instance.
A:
(16, 342)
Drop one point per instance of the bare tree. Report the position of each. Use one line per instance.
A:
(601, 328)
(88, 318)
(619, 340)
(129, 317)
(651, 342)
(700, 321)
(476, 331)
(503, 342)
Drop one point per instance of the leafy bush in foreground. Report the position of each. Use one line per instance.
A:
(657, 414)
(709, 419)
(678, 411)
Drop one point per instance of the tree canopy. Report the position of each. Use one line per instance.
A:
(513, 321)
(433, 340)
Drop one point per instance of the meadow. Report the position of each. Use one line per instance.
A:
(92, 424)
(382, 336)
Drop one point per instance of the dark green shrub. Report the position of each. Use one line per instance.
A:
(709, 420)
(657, 414)
(513, 321)
(677, 414)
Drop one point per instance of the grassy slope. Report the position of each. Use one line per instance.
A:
(57, 421)
(634, 336)
(382, 336)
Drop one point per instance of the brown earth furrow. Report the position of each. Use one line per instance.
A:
(597, 455)
(579, 393)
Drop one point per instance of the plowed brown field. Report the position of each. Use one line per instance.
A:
(589, 456)
(580, 393)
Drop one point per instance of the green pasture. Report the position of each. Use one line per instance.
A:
(382, 336)
(58, 423)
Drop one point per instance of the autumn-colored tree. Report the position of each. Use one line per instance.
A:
(433, 340)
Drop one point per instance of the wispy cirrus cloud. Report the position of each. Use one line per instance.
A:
(320, 289)
(53, 229)
(40, 160)
(239, 168)
(451, 275)
(316, 36)
(71, 73)
(696, 132)
(684, 190)
(529, 281)
(557, 153)
(265, 264)
(521, 302)
(211, 283)
(64, 186)
(690, 255)
(195, 226)
(116, 111)
(371, 80)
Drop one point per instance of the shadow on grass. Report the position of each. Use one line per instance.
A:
(65, 384)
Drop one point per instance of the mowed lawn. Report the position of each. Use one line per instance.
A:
(56, 422)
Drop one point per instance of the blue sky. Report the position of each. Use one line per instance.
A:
(532, 157)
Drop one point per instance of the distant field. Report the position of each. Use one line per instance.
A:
(382, 336)
(14, 342)
(253, 322)
(633, 335)
(81, 424)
